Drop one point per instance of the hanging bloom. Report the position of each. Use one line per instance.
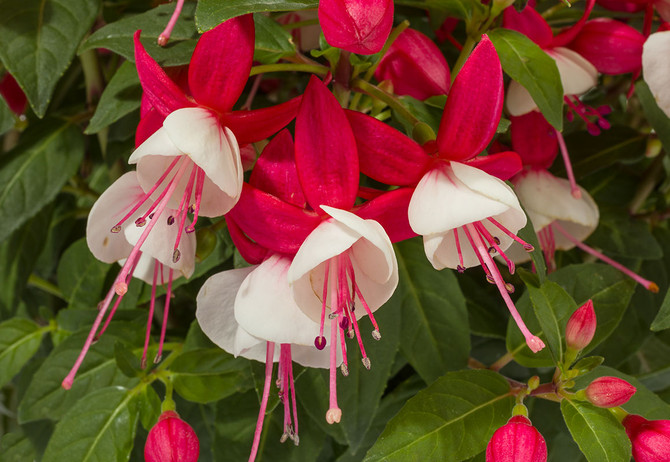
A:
(357, 26)
(656, 68)
(650, 438)
(303, 204)
(517, 441)
(462, 210)
(609, 392)
(171, 439)
(112, 236)
(415, 66)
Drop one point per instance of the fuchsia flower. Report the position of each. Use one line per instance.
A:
(517, 441)
(171, 440)
(415, 66)
(650, 438)
(609, 392)
(656, 68)
(581, 327)
(343, 258)
(463, 212)
(355, 25)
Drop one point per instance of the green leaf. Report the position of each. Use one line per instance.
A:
(118, 36)
(588, 363)
(34, 171)
(211, 13)
(600, 436)
(551, 303)
(273, 42)
(654, 114)
(16, 447)
(662, 320)
(19, 340)
(122, 95)
(435, 332)
(149, 405)
(38, 41)
(46, 398)
(610, 290)
(526, 63)
(450, 420)
(441, 9)
(528, 234)
(207, 375)
(81, 276)
(7, 118)
(100, 426)
(126, 360)
(620, 234)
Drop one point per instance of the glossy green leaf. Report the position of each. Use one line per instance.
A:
(7, 118)
(209, 375)
(149, 405)
(600, 436)
(127, 361)
(528, 234)
(619, 234)
(658, 119)
(118, 36)
(211, 13)
(16, 447)
(122, 95)
(49, 154)
(273, 42)
(526, 63)
(38, 40)
(610, 290)
(46, 398)
(100, 426)
(19, 340)
(662, 320)
(435, 332)
(81, 276)
(587, 364)
(451, 420)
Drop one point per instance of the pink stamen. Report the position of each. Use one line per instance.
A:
(296, 440)
(334, 413)
(152, 306)
(183, 208)
(649, 285)
(165, 35)
(269, 358)
(367, 309)
(199, 185)
(576, 192)
(461, 266)
(323, 305)
(492, 242)
(528, 247)
(533, 342)
(168, 296)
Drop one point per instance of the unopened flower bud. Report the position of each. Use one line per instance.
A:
(581, 327)
(517, 441)
(650, 438)
(171, 439)
(609, 392)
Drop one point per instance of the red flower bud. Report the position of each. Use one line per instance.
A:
(415, 66)
(517, 441)
(357, 26)
(609, 392)
(581, 327)
(650, 438)
(171, 440)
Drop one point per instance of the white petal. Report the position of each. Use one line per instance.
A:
(111, 207)
(656, 68)
(518, 100)
(367, 247)
(265, 308)
(197, 134)
(548, 198)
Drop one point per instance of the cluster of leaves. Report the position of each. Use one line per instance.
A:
(420, 401)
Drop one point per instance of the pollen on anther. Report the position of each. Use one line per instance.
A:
(366, 363)
(376, 334)
(345, 369)
(351, 333)
(116, 229)
(528, 247)
(320, 342)
(510, 288)
(176, 255)
(460, 269)
(344, 323)
(170, 220)
(140, 222)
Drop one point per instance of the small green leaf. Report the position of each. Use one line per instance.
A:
(81, 276)
(526, 63)
(38, 41)
(100, 426)
(211, 13)
(207, 375)
(600, 436)
(126, 361)
(451, 420)
(122, 95)
(273, 42)
(654, 114)
(662, 320)
(19, 340)
(118, 36)
(33, 172)
(7, 118)
(587, 364)
(435, 332)
(149, 405)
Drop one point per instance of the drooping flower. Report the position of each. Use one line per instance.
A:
(343, 258)
(415, 66)
(517, 441)
(124, 202)
(656, 68)
(650, 438)
(357, 26)
(462, 210)
(171, 440)
(609, 392)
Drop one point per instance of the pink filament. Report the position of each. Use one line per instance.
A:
(576, 192)
(152, 306)
(168, 295)
(269, 358)
(165, 35)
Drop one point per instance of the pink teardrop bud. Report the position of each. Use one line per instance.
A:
(517, 441)
(171, 439)
(609, 392)
(581, 327)
(650, 438)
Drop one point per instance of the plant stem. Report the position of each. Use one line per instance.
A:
(388, 98)
(503, 361)
(289, 67)
(46, 286)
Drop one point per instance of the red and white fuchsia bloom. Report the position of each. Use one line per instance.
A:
(656, 68)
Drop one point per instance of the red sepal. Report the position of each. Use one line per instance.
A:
(258, 124)
(390, 210)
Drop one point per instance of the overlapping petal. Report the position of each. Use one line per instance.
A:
(611, 46)
(656, 68)
(534, 139)
(357, 26)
